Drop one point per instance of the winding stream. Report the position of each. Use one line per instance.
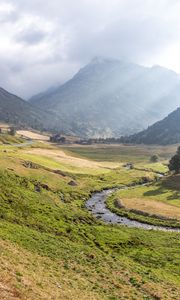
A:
(97, 206)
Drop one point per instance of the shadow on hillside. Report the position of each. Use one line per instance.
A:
(171, 183)
(158, 191)
(174, 196)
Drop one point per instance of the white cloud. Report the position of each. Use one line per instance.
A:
(44, 42)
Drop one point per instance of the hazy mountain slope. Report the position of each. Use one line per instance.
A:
(42, 94)
(17, 111)
(163, 132)
(111, 97)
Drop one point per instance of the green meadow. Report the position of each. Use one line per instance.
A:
(53, 248)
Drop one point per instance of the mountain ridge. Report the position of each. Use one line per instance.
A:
(163, 132)
(15, 110)
(109, 97)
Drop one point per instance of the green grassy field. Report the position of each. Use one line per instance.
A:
(122, 153)
(53, 248)
(9, 139)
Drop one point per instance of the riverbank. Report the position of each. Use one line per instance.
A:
(100, 205)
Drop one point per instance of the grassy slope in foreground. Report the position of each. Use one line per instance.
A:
(52, 248)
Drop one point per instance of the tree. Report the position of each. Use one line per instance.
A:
(12, 131)
(174, 163)
(154, 158)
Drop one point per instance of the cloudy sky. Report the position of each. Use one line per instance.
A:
(43, 43)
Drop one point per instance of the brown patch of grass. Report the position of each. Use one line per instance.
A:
(25, 275)
(33, 135)
(152, 207)
(62, 157)
(4, 125)
(8, 292)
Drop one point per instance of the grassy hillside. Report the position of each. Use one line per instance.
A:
(9, 139)
(164, 132)
(53, 248)
(14, 110)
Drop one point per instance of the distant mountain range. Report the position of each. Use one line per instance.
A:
(164, 132)
(106, 98)
(109, 97)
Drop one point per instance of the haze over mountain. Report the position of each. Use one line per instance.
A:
(45, 93)
(164, 132)
(110, 97)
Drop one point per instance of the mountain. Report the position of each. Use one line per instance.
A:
(110, 97)
(17, 111)
(164, 132)
(42, 94)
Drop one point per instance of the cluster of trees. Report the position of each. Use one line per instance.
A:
(57, 138)
(154, 158)
(174, 163)
(85, 142)
(99, 141)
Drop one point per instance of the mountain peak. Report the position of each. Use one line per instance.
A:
(101, 60)
(159, 68)
(113, 95)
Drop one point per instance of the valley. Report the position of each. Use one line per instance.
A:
(89, 150)
(52, 247)
(107, 98)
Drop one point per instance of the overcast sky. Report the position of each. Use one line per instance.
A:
(43, 42)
